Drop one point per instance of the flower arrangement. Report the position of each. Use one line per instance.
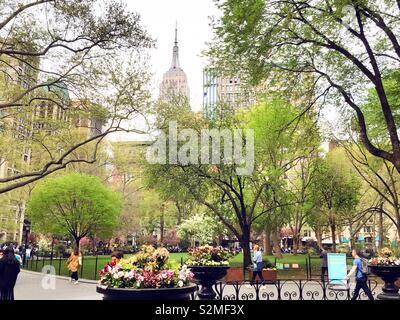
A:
(385, 258)
(146, 269)
(208, 256)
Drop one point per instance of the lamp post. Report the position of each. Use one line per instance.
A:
(26, 231)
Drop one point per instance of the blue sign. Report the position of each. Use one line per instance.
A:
(361, 237)
(337, 268)
(377, 238)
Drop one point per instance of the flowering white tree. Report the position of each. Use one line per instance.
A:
(201, 228)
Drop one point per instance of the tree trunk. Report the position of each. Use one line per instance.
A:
(318, 235)
(352, 242)
(245, 243)
(179, 213)
(381, 232)
(296, 241)
(162, 226)
(77, 240)
(267, 241)
(276, 245)
(333, 234)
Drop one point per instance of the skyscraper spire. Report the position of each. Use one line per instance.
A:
(175, 52)
(174, 82)
(176, 32)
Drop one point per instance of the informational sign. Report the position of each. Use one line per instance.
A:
(279, 266)
(337, 270)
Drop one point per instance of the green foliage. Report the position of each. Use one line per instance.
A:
(75, 204)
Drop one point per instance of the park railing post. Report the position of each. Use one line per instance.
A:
(308, 278)
(43, 258)
(37, 261)
(59, 266)
(95, 267)
(52, 251)
(83, 259)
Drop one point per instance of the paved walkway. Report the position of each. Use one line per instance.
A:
(36, 286)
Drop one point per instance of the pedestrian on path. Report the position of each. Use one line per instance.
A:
(74, 262)
(361, 276)
(324, 262)
(257, 264)
(9, 270)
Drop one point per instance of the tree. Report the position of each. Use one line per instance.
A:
(236, 199)
(336, 189)
(345, 45)
(201, 228)
(88, 50)
(379, 174)
(75, 204)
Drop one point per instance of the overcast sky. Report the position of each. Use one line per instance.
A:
(159, 17)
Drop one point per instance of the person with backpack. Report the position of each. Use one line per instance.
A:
(360, 269)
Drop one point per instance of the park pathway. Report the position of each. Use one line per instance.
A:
(30, 287)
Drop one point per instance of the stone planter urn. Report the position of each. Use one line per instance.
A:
(207, 277)
(147, 294)
(389, 274)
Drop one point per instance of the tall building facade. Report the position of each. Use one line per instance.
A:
(222, 92)
(174, 82)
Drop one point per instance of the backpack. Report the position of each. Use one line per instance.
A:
(364, 267)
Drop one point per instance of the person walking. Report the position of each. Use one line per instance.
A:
(324, 262)
(257, 264)
(9, 270)
(74, 262)
(361, 276)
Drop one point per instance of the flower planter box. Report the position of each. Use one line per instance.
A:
(389, 274)
(147, 294)
(234, 274)
(207, 277)
(268, 275)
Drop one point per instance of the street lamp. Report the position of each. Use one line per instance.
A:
(26, 231)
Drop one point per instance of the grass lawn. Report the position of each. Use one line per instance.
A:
(91, 267)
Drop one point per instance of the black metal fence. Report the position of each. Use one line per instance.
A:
(89, 268)
(289, 290)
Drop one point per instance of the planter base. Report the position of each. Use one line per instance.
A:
(389, 275)
(384, 296)
(147, 294)
(207, 277)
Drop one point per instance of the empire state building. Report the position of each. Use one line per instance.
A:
(174, 81)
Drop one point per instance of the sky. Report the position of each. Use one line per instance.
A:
(192, 16)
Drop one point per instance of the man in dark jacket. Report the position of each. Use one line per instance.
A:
(9, 270)
(324, 262)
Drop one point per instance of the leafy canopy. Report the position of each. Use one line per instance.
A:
(75, 204)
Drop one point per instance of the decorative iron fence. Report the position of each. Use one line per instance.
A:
(289, 290)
